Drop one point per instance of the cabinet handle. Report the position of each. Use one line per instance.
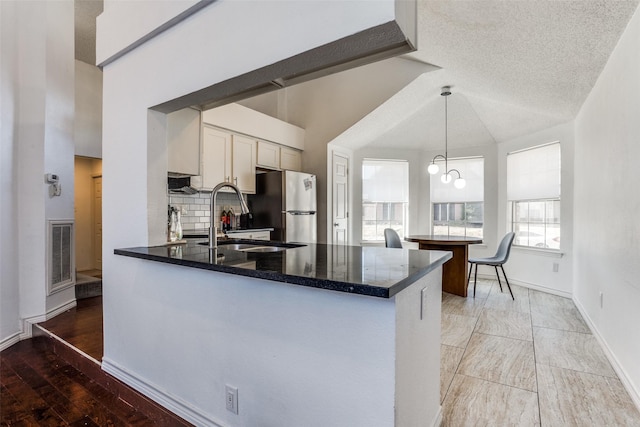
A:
(227, 179)
(236, 180)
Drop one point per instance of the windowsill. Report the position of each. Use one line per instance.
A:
(372, 243)
(552, 253)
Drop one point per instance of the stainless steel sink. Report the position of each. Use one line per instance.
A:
(250, 247)
(236, 246)
(264, 249)
(254, 247)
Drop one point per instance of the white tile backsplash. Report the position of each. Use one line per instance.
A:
(197, 208)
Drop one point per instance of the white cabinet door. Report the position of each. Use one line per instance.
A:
(183, 141)
(268, 155)
(290, 159)
(216, 157)
(243, 165)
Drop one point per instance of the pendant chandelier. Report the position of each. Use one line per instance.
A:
(433, 167)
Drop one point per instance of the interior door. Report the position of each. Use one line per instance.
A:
(97, 222)
(340, 172)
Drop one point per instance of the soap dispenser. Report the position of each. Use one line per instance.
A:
(173, 226)
(178, 226)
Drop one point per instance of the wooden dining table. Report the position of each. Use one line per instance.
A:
(454, 271)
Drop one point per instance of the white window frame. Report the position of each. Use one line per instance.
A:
(403, 200)
(536, 240)
(448, 225)
(476, 195)
(551, 194)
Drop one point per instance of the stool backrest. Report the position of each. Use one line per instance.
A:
(504, 248)
(391, 238)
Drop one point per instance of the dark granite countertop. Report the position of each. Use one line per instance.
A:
(373, 271)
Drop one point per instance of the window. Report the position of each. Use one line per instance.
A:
(385, 197)
(533, 191)
(459, 212)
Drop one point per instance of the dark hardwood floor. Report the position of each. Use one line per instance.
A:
(81, 327)
(45, 381)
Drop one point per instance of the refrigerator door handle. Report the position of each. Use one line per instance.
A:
(299, 212)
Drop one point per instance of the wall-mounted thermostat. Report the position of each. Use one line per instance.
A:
(52, 178)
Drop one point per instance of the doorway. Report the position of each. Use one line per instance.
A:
(340, 196)
(88, 220)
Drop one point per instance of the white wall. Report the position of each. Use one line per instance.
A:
(607, 202)
(529, 267)
(130, 23)
(40, 140)
(9, 290)
(284, 347)
(148, 308)
(59, 109)
(88, 118)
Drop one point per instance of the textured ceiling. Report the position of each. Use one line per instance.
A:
(85, 29)
(515, 67)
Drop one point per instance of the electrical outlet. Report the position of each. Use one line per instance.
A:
(423, 303)
(231, 396)
(556, 266)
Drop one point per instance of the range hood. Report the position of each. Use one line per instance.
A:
(180, 185)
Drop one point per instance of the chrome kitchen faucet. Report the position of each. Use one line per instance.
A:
(213, 230)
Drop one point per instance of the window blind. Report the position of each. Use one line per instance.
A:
(534, 173)
(471, 169)
(385, 181)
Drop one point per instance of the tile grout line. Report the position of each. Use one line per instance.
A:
(561, 330)
(455, 372)
(535, 361)
(497, 383)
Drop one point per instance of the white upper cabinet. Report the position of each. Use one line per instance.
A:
(268, 155)
(290, 159)
(243, 163)
(216, 158)
(246, 121)
(274, 156)
(183, 142)
(227, 158)
(228, 154)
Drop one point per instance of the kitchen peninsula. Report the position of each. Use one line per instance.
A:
(310, 335)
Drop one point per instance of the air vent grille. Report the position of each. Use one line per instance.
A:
(61, 255)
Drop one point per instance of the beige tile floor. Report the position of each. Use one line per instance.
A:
(528, 362)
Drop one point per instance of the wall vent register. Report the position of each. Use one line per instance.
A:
(60, 256)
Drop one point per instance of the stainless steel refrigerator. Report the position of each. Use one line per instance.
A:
(286, 201)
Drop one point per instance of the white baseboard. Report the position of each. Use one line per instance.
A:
(51, 313)
(527, 285)
(26, 325)
(622, 374)
(10, 340)
(172, 403)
